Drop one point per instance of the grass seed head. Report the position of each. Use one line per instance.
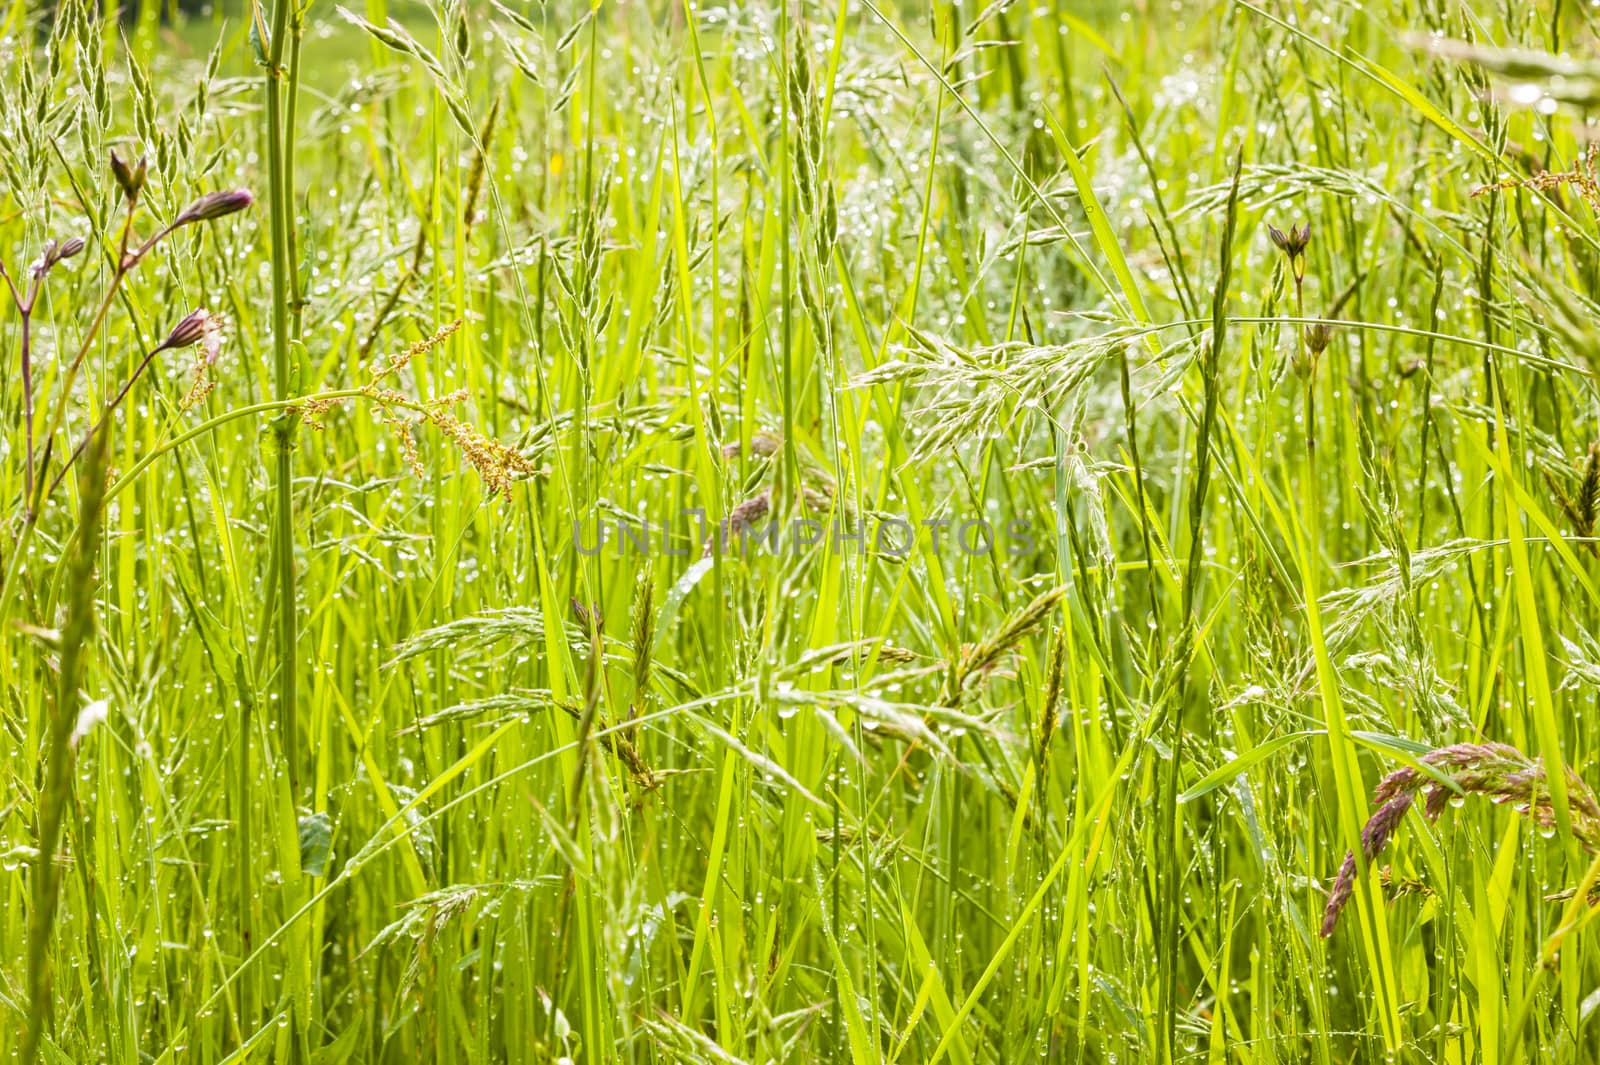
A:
(643, 638)
(1588, 502)
(740, 520)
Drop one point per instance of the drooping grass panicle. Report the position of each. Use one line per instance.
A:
(1495, 771)
(972, 391)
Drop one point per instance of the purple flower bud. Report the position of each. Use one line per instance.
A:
(214, 205)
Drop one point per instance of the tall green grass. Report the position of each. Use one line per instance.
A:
(330, 736)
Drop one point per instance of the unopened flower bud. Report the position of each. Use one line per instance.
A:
(55, 253)
(1293, 244)
(197, 326)
(1318, 335)
(130, 178)
(214, 205)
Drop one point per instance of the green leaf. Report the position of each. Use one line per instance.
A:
(1260, 753)
(676, 595)
(316, 843)
(339, 1051)
(260, 37)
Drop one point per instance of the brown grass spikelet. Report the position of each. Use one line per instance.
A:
(762, 445)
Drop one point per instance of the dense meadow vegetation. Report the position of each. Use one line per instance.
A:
(801, 530)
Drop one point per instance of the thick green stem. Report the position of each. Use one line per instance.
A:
(56, 795)
(279, 147)
(1308, 366)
